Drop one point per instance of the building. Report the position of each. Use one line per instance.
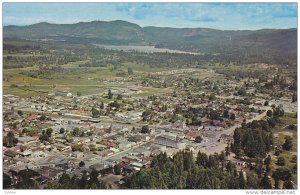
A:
(137, 166)
(98, 166)
(11, 153)
(62, 147)
(63, 93)
(50, 173)
(192, 135)
(226, 138)
(26, 140)
(77, 154)
(169, 142)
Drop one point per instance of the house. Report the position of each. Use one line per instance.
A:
(109, 144)
(192, 135)
(38, 154)
(107, 153)
(179, 125)
(62, 147)
(77, 154)
(11, 153)
(240, 164)
(226, 138)
(31, 117)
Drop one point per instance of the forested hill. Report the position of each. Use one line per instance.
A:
(203, 40)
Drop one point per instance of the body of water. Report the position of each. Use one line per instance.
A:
(146, 49)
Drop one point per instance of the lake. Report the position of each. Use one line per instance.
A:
(146, 49)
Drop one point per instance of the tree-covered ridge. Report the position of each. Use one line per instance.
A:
(267, 44)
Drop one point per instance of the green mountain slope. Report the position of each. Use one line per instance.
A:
(188, 39)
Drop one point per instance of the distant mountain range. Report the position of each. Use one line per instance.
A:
(187, 39)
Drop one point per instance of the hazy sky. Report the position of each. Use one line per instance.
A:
(214, 15)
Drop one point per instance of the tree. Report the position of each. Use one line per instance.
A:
(110, 95)
(226, 114)
(53, 185)
(119, 97)
(95, 112)
(117, 169)
(198, 139)
(294, 97)
(230, 167)
(76, 131)
(49, 131)
(281, 174)
(288, 144)
(62, 131)
(10, 140)
(94, 183)
(6, 181)
(102, 105)
(20, 112)
(129, 70)
(31, 132)
(281, 161)
(268, 160)
(65, 181)
(269, 113)
(145, 129)
(81, 164)
(227, 150)
(232, 116)
(44, 136)
(42, 117)
(242, 92)
(202, 159)
(212, 97)
(266, 182)
(288, 184)
(242, 182)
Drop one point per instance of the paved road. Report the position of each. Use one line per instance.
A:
(219, 146)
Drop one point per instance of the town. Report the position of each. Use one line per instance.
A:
(118, 132)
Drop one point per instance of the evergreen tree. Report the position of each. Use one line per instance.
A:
(266, 182)
(288, 184)
(6, 181)
(288, 144)
(117, 169)
(242, 182)
(110, 95)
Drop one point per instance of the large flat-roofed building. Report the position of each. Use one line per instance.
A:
(169, 142)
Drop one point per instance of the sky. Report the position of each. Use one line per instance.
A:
(224, 16)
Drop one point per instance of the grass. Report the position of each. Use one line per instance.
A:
(75, 76)
(287, 119)
(148, 91)
(282, 129)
